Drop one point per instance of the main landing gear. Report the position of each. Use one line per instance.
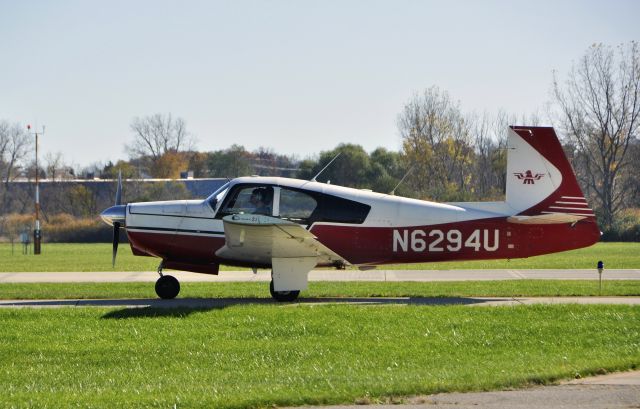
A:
(167, 287)
(283, 296)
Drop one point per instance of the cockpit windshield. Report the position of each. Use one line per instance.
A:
(216, 197)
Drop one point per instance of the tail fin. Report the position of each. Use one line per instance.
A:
(540, 179)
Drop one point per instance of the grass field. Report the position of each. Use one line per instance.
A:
(509, 288)
(259, 356)
(97, 257)
(293, 354)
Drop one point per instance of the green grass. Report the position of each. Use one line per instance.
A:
(74, 257)
(507, 288)
(97, 257)
(614, 255)
(258, 356)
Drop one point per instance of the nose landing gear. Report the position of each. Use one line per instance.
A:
(167, 287)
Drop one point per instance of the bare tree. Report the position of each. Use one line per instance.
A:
(437, 141)
(490, 142)
(600, 112)
(56, 167)
(14, 146)
(158, 134)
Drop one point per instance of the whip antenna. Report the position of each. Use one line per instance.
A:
(393, 192)
(330, 162)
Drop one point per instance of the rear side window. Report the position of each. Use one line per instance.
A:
(296, 206)
(339, 210)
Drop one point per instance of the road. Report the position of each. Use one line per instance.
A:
(613, 391)
(326, 275)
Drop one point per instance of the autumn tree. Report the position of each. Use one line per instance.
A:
(599, 110)
(160, 139)
(198, 164)
(436, 140)
(349, 169)
(169, 165)
(83, 200)
(266, 162)
(112, 170)
(230, 163)
(386, 170)
(379, 171)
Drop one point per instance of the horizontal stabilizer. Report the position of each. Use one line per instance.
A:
(549, 218)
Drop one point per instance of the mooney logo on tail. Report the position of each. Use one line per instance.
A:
(528, 178)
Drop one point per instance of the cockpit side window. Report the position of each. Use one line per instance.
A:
(217, 196)
(296, 206)
(248, 199)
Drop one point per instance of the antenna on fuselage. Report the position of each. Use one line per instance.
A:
(393, 192)
(330, 162)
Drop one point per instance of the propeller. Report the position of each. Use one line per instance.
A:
(116, 225)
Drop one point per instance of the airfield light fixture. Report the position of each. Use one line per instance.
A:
(600, 269)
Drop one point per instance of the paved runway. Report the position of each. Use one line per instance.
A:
(327, 275)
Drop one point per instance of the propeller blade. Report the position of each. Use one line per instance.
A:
(119, 190)
(116, 239)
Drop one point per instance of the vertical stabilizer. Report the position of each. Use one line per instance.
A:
(540, 179)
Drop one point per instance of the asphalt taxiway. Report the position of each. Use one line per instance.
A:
(321, 275)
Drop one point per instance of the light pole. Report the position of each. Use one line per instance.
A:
(37, 235)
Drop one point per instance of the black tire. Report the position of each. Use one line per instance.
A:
(167, 287)
(283, 296)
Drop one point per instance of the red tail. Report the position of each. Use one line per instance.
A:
(562, 198)
(568, 197)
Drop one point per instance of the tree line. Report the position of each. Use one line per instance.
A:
(446, 154)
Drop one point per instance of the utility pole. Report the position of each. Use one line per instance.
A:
(37, 235)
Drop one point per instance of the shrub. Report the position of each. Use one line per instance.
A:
(625, 228)
(59, 228)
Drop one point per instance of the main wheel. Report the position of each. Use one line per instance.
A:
(283, 296)
(167, 287)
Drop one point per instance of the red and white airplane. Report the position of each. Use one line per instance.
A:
(292, 226)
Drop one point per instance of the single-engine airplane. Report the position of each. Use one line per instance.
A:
(292, 226)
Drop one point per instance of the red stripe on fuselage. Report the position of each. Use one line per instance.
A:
(198, 249)
(471, 240)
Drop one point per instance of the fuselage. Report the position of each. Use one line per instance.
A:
(363, 227)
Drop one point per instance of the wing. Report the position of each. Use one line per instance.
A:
(289, 248)
(519, 175)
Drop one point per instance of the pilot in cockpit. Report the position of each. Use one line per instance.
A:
(261, 198)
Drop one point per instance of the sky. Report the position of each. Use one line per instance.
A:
(298, 77)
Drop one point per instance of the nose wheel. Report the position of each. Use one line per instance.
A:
(167, 287)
